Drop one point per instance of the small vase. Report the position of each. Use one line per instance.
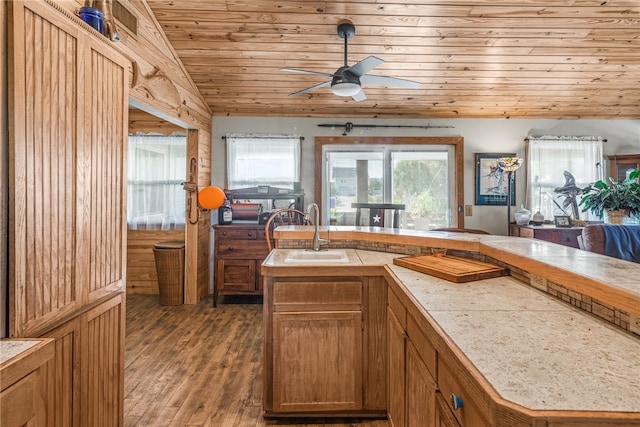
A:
(537, 219)
(615, 217)
(522, 216)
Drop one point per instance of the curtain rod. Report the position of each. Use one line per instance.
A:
(265, 137)
(564, 138)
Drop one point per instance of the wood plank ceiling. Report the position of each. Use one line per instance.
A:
(473, 59)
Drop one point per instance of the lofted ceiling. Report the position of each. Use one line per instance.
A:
(473, 59)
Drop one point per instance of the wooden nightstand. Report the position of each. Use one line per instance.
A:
(239, 249)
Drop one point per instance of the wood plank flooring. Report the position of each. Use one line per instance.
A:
(195, 365)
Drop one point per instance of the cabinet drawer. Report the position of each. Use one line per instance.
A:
(242, 249)
(236, 234)
(422, 344)
(306, 294)
(474, 410)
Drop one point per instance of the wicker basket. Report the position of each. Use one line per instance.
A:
(169, 258)
(615, 217)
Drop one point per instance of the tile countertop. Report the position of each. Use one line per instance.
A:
(534, 350)
(537, 256)
(10, 348)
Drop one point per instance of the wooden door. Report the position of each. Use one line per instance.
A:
(421, 389)
(397, 343)
(317, 361)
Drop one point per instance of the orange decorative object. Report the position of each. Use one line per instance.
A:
(211, 197)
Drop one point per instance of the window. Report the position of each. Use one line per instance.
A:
(157, 168)
(254, 160)
(421, 177)
(548, 157)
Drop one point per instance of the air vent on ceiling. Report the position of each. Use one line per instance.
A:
(125, 17)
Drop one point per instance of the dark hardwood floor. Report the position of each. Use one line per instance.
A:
(195, 365)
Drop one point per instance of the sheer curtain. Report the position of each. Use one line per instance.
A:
(548, 157)
(254, 160)
(156, 169)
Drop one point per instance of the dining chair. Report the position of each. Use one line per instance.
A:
(285, 216)
(377, 213)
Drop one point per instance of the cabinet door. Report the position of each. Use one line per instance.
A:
(420, 389)
(68, 93)
(236, 275)
(317, 363)
(22, 404)
(453, 378)
(397, 342)
(444, 416)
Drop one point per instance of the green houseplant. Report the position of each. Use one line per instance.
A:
(601, 198)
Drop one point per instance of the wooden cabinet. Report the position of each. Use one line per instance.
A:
(325, 343)
(68, 92)
(317, 346)
(25, 399)
(238, 252)
(69, 95)
(317, 361)
(89, 375)
(621, 164)
(412, 364)
(549, 233)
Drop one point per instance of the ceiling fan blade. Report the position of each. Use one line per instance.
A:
(295, 70)
(366, 65)
(360, 96)
(389, 81)
(309, 89)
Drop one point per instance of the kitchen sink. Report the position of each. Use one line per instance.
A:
(305, 256)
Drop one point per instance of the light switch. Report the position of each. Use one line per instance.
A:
(468, 210)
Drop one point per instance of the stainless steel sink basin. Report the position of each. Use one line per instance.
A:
(303, 256)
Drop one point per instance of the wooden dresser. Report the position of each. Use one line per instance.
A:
(239, 249)
(550, 233)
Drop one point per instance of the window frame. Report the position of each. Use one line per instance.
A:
(457, 143)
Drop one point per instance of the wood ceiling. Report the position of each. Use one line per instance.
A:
(473, 59)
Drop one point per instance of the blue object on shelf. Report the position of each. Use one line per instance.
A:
(93, 17)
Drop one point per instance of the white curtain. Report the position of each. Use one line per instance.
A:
(157, 166)
(254, 160)
(548, 157)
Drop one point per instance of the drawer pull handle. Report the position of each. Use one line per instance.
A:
(230, 248)
(456, 401)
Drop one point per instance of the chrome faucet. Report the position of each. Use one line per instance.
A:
(317, 241)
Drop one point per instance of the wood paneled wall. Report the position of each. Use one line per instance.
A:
(141, 266)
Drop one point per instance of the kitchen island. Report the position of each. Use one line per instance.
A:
(509, 348)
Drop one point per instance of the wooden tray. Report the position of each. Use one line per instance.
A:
(451, 268)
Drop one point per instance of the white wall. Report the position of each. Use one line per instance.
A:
(480, 136)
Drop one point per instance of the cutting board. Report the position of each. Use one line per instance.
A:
(451, 268)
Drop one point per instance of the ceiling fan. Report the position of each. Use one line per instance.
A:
(346, 81)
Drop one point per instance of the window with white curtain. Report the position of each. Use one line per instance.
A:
(157, 166)
(548, 157)
(254, 160)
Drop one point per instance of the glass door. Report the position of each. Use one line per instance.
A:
(353, 177)
(420, 177)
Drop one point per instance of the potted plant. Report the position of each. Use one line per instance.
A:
(615, 199)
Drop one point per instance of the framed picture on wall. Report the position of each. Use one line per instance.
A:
(491, 181)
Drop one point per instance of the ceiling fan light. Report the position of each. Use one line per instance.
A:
(345, 89)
